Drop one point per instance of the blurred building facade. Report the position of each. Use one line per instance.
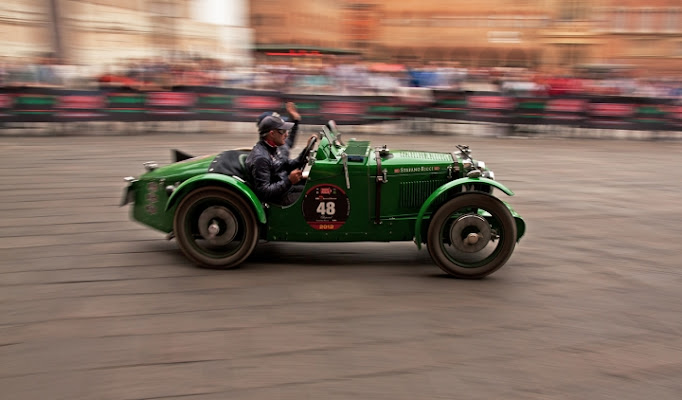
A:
(645, 34)
(94, 32)
(552, 35)
(24, 28)
(544, 34)
(297, 29)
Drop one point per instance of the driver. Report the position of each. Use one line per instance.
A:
(295, 117)
(275, 178)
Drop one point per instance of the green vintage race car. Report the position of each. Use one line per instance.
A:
(353, 192)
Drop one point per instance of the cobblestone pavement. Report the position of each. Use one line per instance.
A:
(95, 306)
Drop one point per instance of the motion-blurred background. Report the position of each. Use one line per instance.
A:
(628, 47)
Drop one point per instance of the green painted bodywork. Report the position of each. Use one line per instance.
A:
(211, 179)
(416, 183)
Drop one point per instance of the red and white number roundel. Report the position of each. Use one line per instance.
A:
(326, 207)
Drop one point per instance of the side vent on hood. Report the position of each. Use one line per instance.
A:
(413, 194)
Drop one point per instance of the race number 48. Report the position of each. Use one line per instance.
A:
(326, 208)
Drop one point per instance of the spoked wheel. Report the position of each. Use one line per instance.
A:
(215, 228)
(472, 235)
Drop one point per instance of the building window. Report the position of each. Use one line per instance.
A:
(672, 22)
(658, 18)
(644, 48)
(572, 10)
(645, 20)
(600, 19)
(572, 54)
(620, 20)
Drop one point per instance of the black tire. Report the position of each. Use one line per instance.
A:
(224, 211)
(481, 215)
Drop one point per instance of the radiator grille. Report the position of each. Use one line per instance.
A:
(413, 194)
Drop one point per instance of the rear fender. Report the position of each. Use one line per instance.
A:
(452, 185)
(220, 180)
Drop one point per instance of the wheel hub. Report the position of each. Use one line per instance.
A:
(470, 233)
(217, 225)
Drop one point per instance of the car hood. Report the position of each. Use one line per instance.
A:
(416, 161)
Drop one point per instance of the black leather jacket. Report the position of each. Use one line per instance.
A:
(270, 173)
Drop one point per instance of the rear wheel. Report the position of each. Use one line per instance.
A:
(472, 235)
(215, 228)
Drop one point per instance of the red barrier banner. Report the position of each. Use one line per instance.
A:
(342, 108)
(257, 102)
(565, 105)
(5, 101)
(675, 115)
(171, 99)
(32, 104)
(491, 102)
(611, 110)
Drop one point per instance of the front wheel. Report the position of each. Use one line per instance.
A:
(215, 228)
(471, 236)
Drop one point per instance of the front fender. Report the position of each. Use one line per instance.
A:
(218, 180)
(445, 188)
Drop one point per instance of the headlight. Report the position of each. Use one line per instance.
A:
(474, 173)
(150, 165)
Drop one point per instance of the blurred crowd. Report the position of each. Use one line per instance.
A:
(336, 76)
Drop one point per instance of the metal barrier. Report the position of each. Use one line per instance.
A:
(224, 104)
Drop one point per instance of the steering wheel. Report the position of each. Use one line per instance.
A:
(310, 153)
